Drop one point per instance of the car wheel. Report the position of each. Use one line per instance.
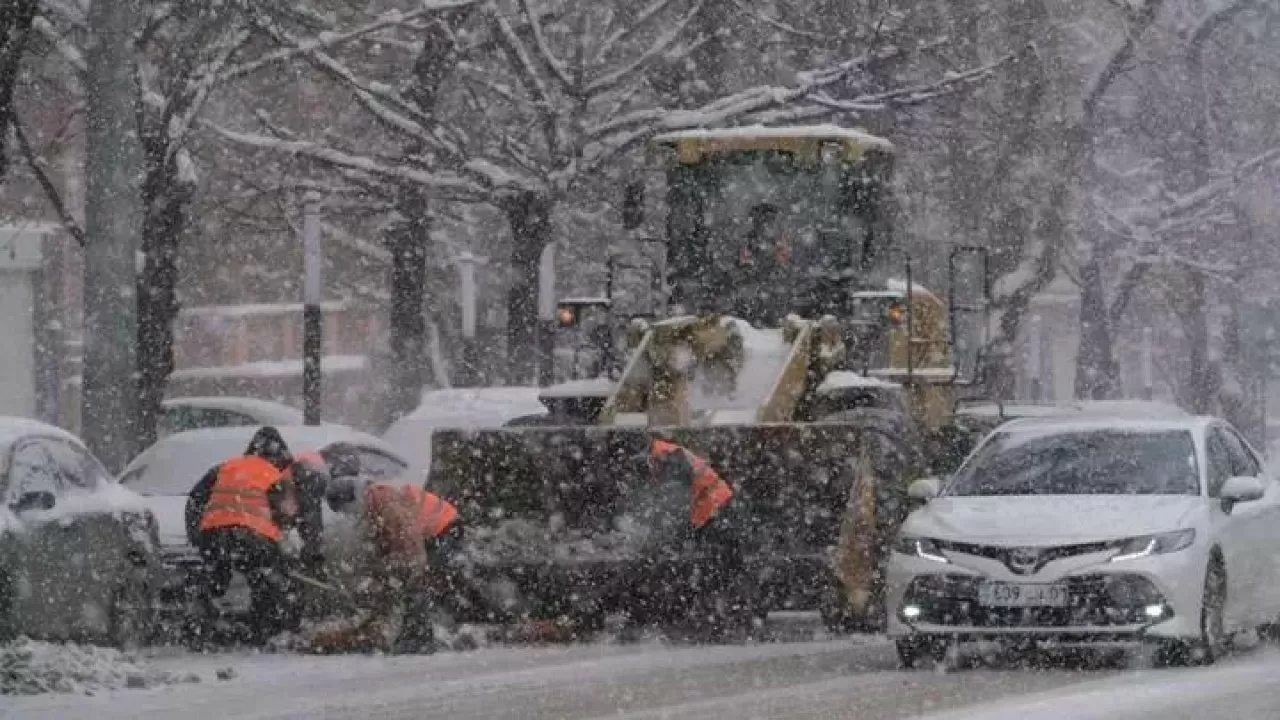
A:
(8, 626)
(130, 617)
(910, 650)
(942, 651)
(1212, 643)
(1213, 634)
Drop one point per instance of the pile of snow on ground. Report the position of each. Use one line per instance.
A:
(525, 541)
(28, 667)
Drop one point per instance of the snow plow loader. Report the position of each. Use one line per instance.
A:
(814, 378)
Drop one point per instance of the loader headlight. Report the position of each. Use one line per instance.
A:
(1142, 546)
(919, 547)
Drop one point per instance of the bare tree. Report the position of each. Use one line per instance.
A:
(15, 27)
(181, 55)
(549, 108)
(1165, 242)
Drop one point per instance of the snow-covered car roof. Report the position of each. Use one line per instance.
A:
(175, 463)
(1086, 423)
(265, 411)
(1081, 408)
(13, 429)
(459, 409)
(106, 497)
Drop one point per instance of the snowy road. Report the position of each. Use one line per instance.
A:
(836, 679)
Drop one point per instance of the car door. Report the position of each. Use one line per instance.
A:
(1230, 529)
(39, 604)
(1260, 519)
(378, 466)
(94, 539)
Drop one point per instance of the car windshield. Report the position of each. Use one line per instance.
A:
(1093, 462)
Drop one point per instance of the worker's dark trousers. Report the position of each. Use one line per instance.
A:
(420, 598)
(276, 602)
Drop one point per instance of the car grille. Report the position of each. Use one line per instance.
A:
(1024, 560)
(1093, 601)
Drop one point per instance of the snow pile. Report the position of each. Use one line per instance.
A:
(109, 498)
(28, 667)
(844, 379)
(526, 541)
(764, 354)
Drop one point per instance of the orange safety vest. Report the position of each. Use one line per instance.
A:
(430, 514)
(239, 497)
(710, 493)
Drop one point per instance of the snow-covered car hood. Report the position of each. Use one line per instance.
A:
(1050, 519)
(170, 513)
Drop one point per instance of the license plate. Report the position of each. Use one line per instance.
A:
(995, 594)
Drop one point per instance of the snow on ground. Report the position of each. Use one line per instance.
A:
(840, 679)
(28, 667)
(1240, 688)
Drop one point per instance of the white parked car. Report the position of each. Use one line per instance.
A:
(165, 473)
(78, 552)
(1123, 533)
(460, 409)
(181, 414)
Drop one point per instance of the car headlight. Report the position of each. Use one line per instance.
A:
(1139, 547)
(919, 547)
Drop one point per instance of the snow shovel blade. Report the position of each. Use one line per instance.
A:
(791, 484)
(317, 584)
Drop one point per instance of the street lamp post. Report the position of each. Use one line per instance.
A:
(546, 326)
(312, 320)
(466, 262)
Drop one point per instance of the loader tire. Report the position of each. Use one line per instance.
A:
(8, 623)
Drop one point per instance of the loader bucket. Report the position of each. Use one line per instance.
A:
(546, 507)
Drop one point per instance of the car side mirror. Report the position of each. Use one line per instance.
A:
(924, 489)
(35, 500)
(1242, 489)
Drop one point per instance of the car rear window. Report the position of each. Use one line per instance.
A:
(1086, 462)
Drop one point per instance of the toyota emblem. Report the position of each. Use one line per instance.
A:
(1024, 560)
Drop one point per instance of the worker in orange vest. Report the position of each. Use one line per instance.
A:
(681, 507)
(673, 499)
(310, 474)
(409, 535)
(237, 516)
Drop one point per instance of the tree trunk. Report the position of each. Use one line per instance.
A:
(410, 240)
(111, 219)
(1096, 370)
(529, 216)
(408, 243)
(1201, 381)
(165, 198)
(15, 27)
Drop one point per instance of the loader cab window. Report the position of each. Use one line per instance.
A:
(764, 233)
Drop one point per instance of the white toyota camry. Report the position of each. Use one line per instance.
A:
(1121, 533)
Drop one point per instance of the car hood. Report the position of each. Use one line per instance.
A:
(170, 512)
(1050, 519)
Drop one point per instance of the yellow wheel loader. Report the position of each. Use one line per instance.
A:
(796, 354)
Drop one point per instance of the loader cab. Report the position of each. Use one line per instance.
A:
(763, 222)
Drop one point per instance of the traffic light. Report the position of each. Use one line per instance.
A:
(896, 313)
(567, 316)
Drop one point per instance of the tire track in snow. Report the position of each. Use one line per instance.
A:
(279, 686)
